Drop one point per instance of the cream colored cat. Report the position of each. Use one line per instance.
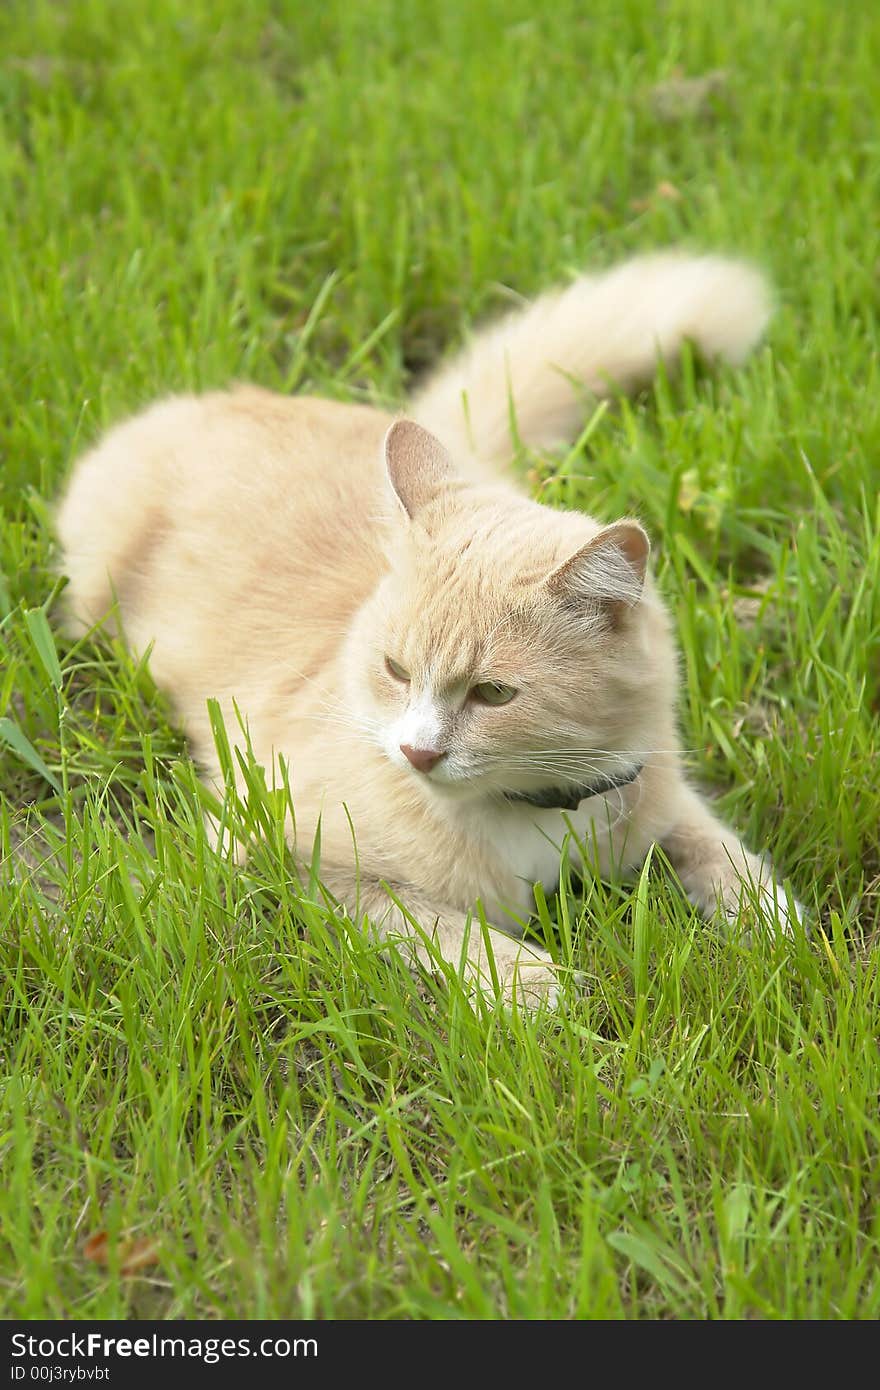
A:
(457, 674)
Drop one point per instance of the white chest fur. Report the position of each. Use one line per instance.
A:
(530, 841)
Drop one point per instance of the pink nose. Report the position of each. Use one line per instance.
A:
(422, 759)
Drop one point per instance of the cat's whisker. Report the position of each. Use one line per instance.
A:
(556, 775)
(358, 726)
(556, 761)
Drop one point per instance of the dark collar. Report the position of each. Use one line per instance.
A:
(569, 798)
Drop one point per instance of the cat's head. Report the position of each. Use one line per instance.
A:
(510, 647)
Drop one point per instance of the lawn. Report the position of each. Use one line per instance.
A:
(268, 1118)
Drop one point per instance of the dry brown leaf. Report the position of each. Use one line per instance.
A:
(134, 1254)
(94, 1247)
(138, 1254)
(664, 190)
(668, 190)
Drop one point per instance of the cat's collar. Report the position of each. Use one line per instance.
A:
(569, 798)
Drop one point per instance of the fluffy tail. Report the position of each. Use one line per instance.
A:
(603, 333)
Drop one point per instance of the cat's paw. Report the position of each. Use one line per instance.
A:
(723, 878)
(525, 974)
(768, 906)
(752, 899)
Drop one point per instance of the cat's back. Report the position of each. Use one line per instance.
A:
(226, 503)
(246, 442)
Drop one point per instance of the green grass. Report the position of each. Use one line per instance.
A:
(324, 196)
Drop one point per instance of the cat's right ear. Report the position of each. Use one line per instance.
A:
(417, 465)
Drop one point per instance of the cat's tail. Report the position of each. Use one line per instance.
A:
(534, 370)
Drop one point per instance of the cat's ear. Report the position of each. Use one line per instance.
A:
(417, 465)
(609, 569)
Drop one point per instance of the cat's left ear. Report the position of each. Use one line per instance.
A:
(417, 465)
(609, 569)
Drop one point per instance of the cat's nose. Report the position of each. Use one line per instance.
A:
(422, 759)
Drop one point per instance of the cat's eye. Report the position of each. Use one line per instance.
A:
(395, 669)
(493, 693)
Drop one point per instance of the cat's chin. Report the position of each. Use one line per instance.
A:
(455, 786)
(461, 788)
(464, 787)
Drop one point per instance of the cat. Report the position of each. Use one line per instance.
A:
(458, 677)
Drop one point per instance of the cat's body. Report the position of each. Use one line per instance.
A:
(369, 605)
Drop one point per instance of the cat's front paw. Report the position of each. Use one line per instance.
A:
(525, 974)
(751, 898)
(766, 906)
(720, 876)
